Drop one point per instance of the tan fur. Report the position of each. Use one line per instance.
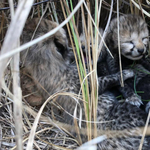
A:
(133, 36)
(47, 62)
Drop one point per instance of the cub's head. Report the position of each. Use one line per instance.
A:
(134, 36)
(52, 51)
(84, 44)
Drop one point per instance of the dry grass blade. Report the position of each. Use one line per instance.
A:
(106, 28)
(148, 2)
(16, 26)
(82, 68)
(139, 1)
(91, 145)
(1, 135)
(131, 7)
(144, 132)
(109, 133)
(33, 129)
(11, 8)
(136, 5)
(17, 101)
(17, 91)
(97, 30)
(119, 50)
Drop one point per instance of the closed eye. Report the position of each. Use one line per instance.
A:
(145, 38)
(130, 42)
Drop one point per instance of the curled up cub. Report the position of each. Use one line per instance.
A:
(48, 64)
(134, 43)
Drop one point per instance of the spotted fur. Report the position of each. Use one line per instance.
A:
(134, 34)
(49, 67)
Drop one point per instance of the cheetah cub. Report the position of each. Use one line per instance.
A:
(134, 35)
(47, 63)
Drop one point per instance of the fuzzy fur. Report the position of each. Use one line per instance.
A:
(47, 62)
(134, 34)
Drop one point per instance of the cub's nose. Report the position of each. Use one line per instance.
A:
(141, 51)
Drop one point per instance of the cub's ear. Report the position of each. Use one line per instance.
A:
(61, 48)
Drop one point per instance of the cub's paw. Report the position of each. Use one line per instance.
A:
(134, 100)
(127, 73)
